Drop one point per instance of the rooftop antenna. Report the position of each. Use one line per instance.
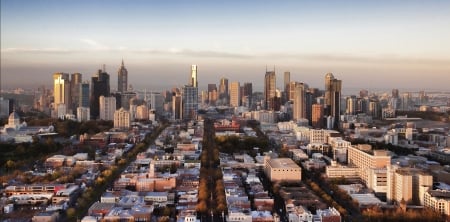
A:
(266, 67)
(104, 68)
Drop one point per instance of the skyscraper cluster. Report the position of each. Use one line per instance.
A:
(72, 95)
(296, 99)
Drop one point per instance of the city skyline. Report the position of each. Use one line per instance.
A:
(366, 44)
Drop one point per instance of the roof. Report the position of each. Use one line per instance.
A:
(283, 163)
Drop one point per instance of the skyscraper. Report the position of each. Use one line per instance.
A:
(190, 102)
(61, 90)
(212, 94)
(291, 92)
(317, 116)
(270, 90)
(75, 82)
(107, 107)
(84, 95)
(287, 80)
(223, 91)
(190, 96)
(122, 79)
(194, 81)
(177, 104)
(351, 105)
(247, 96)
(100, 87)
(333, 89)
(299, 111)
(234, 94)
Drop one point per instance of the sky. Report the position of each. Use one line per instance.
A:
(367, 44)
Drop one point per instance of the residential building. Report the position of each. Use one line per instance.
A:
(107, 107)
(363, 157)
(122, 118)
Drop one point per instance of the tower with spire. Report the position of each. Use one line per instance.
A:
(122, 74)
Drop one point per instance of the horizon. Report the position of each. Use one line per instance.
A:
(365, 44)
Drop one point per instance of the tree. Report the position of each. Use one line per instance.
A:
(71, 213)
(10, 165)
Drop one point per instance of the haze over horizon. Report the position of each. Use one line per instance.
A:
(379, 44)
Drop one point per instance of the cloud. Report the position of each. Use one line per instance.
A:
(39, 50)
(94, 44)
(352, 59)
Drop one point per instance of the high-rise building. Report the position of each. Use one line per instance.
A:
(122, 79)
(142, 112)
(317, 116)
(61, 90)
(363, 93)
(83, 114)
(4, 107)
(270, 90)
(299, 109)
(309, 101)
(190, 102)
(375, 109)
(84, 95)
(194, 81)
(75, 82)
(107, 107)
(247, 96)
(100, 87)
(122, 119)
(125, 98)
(212, 94)
(333, 88)
(157, 102)
(362, 105)
(363, 157)
(287, 80)
(234, 94)
(190, 96)
(223, 91)
(351, 105)
(177, 109)
(407, 184)
(395, 93)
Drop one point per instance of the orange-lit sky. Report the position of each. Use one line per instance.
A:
(367, 44)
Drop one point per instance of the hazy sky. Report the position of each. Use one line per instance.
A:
(376, 44)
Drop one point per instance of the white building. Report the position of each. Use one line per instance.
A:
(83, 114)
(107, 107)
(122, 119)
(282, 169)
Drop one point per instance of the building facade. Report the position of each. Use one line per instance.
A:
(122, 119)
(270, 90)
(282, 169)
(61, 90)
(333, 88)
(100, 87)
(122, 78)
(363, 157)
(107, 107)
(299, 109)
(234, 94)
